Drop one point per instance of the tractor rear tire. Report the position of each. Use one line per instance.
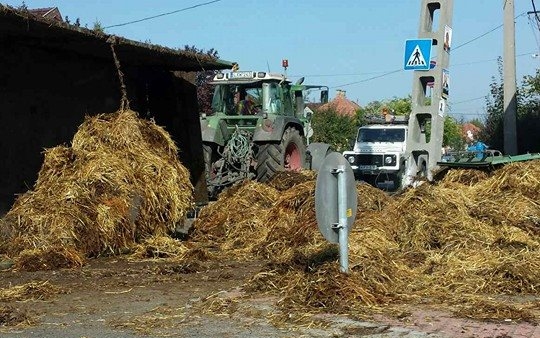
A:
(288, 155)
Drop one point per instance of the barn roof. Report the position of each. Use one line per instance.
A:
(52, 13)
(23, 27)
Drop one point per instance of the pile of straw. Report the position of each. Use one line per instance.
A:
(29, 291)
(119, 182)
(472, 236)
(11, 316)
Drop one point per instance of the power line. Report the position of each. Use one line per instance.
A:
(369, 79)
(535, 32)
(163, 14)
(343, 74)
(484, 34)
(469, 100)
(399, 70)
(390, 71)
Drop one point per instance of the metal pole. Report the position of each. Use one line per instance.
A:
(342, 214)
(509, 75)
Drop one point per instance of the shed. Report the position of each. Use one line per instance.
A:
(52, 74)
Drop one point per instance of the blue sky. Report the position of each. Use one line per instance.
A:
(329, 42)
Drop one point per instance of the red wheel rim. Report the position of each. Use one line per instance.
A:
(293, 160)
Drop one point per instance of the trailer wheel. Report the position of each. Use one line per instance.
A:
(289, 154)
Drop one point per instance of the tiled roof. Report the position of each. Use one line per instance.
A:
(341, 105)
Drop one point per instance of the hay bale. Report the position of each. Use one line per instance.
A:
(120, 182)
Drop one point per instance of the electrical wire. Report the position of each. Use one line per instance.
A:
(368, 79)
(453, 49)
(469, 100)
(389, 71)
(484, 34)
(535, 34)
(163, 14)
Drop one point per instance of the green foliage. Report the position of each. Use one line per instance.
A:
(402, 106)
(452, 134)
(205, 90)
(528, 114)
(23, 7)
(335, 129)
(399, 106)
(476, 122)
(98, 27)
(395, 105)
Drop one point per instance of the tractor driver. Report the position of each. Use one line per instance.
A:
(245, 104)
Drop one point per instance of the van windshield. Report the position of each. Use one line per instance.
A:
(381, 135)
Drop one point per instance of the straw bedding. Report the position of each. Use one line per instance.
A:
(470, 242)
(118, 183)
(463, 242)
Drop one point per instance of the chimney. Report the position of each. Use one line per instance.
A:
(340, 93)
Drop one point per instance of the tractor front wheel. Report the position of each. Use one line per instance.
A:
(289, 154)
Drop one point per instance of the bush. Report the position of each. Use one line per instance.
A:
(337, 130)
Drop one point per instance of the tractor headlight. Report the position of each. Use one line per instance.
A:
(350, 159)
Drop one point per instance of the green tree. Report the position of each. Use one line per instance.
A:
(399, 105)
(528, 114)
(205, 91)
(98, 27)
(402, 106)
(452, 134)
(395, 105)
(476, 122)
(337, 130)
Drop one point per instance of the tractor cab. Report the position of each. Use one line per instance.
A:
(251, 93)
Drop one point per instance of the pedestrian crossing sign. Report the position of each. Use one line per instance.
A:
(417, 54)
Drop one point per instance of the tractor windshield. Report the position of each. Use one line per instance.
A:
(381, 135)
(237, 99)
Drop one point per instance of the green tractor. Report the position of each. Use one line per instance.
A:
(258, 127)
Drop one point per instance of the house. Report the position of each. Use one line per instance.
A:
(470, 131)
(341, 105)
(52, 74)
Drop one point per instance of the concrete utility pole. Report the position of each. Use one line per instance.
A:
(509, 75)
(430, 112)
